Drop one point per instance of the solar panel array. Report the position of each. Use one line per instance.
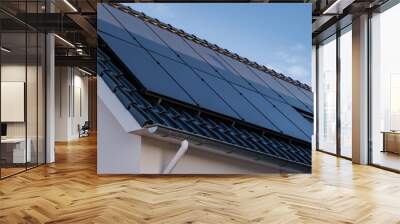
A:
(169, 65)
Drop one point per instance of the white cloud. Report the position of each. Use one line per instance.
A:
(293, 62)
(300, 72)
(288, 57)
(163, 9)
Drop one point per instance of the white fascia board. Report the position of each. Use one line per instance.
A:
(121, 114)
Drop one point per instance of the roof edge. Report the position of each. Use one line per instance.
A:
(211, 46)
(165, 132)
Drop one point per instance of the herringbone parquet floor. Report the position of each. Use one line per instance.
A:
(70, 191)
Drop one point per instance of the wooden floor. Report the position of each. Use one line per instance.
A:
(5, 172)
(70, 191)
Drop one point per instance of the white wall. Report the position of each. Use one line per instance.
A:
(62, 81)
(13, 72)
(80, 109)
(71, 92)
(118, 152)
(155, 156)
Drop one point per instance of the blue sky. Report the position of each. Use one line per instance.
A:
(275, 35)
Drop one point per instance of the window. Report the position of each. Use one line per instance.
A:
(327, 95)
(22, 77)
(345, 92)
(385, 89)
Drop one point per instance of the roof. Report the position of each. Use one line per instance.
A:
(212, 46)
(176, 81)
(148, 110)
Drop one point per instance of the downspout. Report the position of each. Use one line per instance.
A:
(181, 151)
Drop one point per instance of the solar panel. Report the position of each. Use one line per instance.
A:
(275, 84)
(141, 33)
(296, 117)
(235, 99)
(309, 94)
(107, 23)
(170, 65)
(305, 98)
(182, 49)
(195, 86)
(220, 67)
(283, 123)
(145, 69)
(297, 94)
(254, 81)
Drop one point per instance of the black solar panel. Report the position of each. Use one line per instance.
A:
(140, 33)
(297, 94)
(270, 108)
(285, 92)
(240, 104)
(107, 22)
(220, 68)
(170, 65)
(146, 69)
(195, 85)
(185, 53)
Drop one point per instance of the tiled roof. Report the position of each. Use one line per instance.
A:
(149, 110)
(212, 46)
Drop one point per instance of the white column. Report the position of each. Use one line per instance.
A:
(360, 90)
(50, 92)
(50, 99)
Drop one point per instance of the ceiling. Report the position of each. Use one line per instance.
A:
(74, 22)
(330, 15)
